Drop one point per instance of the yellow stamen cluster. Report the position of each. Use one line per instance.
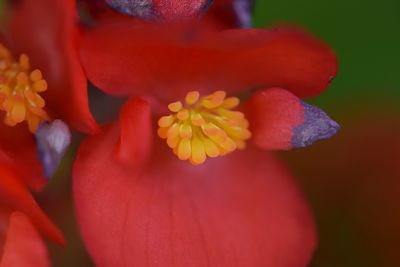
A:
(204, 127)
(19, 91)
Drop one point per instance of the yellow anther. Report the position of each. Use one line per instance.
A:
(185, 131)
(214, 100)
(197, 119)
(166, 121)
(220, 95)
(163, 132)
(24, 62)
(183, 115)
(211, 148)
(231, 102)
(192, 97)
(40, 86)
(19, 88)
(204, 127)
(175, 107)
(36, 75)
(198, 151)
(185, 149)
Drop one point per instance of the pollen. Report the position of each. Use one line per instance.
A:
(20, 90)
(204, 127)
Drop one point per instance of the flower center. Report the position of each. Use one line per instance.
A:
(19, 91)
(204, 127)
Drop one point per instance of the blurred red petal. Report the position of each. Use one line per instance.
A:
(23, 246)
(15, 196)
(281, 121)
(360, 186)
(18, 148)
(140, 61)
(222, 14)
(238, 210)
(46, 31)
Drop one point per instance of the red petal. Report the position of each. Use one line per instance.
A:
(134, 145)
(280, 120)
(15, 196)
(222, 14)
(23, 246)
(140, 61)
(273, 114)
(46, 31)
(18, 148)
(238, 210)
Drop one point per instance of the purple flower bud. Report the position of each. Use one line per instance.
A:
(316, 126)
(52, 141)
(243, 9)
(137, 8)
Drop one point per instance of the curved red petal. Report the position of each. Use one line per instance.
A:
(273, 114)
(23, 246)
(46, 31)
(15, 196)
(134, 146)
(281, 121)
(18, 148)
(141, 60)
(238, 210)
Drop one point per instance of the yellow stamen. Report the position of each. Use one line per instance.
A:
(19, 88)
(204, 127)
(192, 97)
(175, 107)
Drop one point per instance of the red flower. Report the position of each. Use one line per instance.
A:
(39, 52)
(138, 205)
(20, 220)
(49, 25)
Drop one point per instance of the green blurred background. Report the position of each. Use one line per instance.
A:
(365, 35)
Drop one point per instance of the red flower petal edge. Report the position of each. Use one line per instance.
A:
(280, 120)
(139, 61)
(242, 209)
(15, 196)
(18, 148)
(46, 31)
(23, 245)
